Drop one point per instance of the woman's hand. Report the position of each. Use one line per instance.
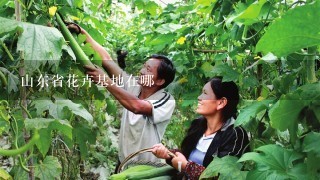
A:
(179, 158)
(160, 151)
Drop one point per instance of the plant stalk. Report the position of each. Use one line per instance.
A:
(309, 63)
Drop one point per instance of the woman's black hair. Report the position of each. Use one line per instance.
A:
(230, 91)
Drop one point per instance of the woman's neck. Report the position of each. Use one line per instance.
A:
(214, 123)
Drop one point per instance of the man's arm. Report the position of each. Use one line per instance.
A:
(108, 64)
(126, 99)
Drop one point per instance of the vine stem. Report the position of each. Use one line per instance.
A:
(7, 51)
(25, 110)
(309, 64)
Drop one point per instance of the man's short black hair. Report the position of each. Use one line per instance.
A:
(165, 70)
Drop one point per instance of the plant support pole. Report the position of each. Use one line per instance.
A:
(23, 91)
(309, 64)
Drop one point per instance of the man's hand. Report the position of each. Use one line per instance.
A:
(97, 75)
(75, 28)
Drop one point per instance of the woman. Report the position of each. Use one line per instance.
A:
(213, 134)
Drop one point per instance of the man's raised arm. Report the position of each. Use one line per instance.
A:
(108, 64)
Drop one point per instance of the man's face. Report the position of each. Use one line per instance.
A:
(149, 72)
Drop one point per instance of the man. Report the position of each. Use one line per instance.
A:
(147, 107)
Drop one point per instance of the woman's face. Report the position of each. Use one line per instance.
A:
(207, 101)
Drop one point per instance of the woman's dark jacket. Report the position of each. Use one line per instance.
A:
(229, 140)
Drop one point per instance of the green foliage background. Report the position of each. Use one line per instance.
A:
(269, 48)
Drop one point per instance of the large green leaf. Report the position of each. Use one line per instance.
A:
(205, 2)
(313, 167)
(50, 124)
(50, 168)
(159, 42)
(207, 68)
(83, 135)
(273, 161)
(247, 113)
(13, 80)
(19, 173)
(251, 14)
(168, 28)
(311, 143)
(45, 127)
(40, 44)
(285, 113)
(44, 143)
(298, 28)
(226, 71)
(4, 175)
(226, 167)
(309, 92)
(56, 109)
(147, 5)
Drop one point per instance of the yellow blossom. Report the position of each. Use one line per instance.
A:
(52, 10)
(75, 18)
(257, 58)
(182, 80)
(260, 98)
(181, 40)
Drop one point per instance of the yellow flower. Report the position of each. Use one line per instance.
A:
(260, 98)
(75, 18)
(181, 40)
(182, 80)
(52, 10)
(257, 58)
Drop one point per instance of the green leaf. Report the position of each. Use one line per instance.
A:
(111, 107)
(309, 92)
(83, 135)
(50, 168)
(226, 71)
(147, 5)
(313, 167)
(77, 109)
(40, 44)
(7, 25)
(273, 161)
(285, 113)
(4, 175)
(311, 143)
(205, 2)
(168, 28)
(3, 2)
(226, 167)
(44, 143)
(62, 126)
(160, 42)
(247, 113)
(251, 14)
(207, 69)
(152, 8)
(56, 109)
(286, 36)
(45, 127)
(4, 113)
(211, 29)
(19, 173)
(13, 80)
